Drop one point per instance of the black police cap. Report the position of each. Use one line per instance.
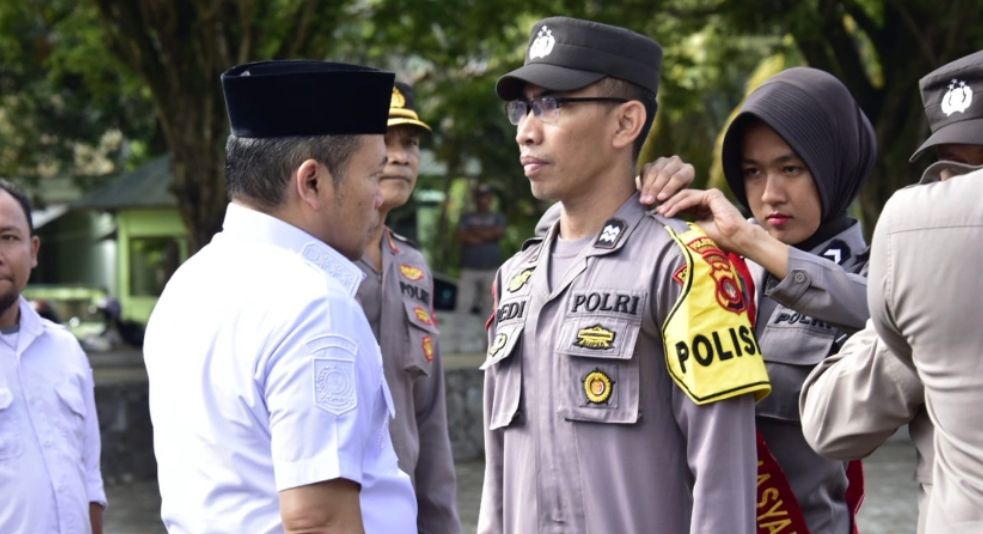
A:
(289, 98)
(953, 98)
(566, 54)
(402, 110)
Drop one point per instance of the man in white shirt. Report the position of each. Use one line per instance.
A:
(267, 395)
(49, 432)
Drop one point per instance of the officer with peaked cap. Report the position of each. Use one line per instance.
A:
(397, 296)
(853, 401)
(622, 369)
(267, 394)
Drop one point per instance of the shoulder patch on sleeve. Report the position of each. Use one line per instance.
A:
(711, 350)
(335, 386)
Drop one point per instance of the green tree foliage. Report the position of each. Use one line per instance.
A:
(72, 72)
(66, 106)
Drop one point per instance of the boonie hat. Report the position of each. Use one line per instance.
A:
(953, 98)
(289, 98)
(565, 54)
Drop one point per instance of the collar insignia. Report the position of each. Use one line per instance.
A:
(610, 234)
(520, 280)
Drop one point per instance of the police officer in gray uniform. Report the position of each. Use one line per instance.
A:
(796, 155)
(854, 400)
(591, 424)
(397, 296)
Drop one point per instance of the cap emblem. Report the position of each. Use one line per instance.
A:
(958, 98)
(543, 44)
(398, 101)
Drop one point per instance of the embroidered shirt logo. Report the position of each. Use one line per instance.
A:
(595, 337)
(428, 348)
(957, 98)
(598, 386)
(497, 345)
(542, 45)
(334, 385)
(520, 280)
(422, 315)
(410, 272)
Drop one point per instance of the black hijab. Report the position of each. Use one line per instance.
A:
(819, 119)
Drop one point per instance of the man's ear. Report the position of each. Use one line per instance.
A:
(631, 119)
(308, 180)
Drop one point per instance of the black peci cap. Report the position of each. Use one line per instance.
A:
(953, 100)
(289, 98)
(402, 110)
(565, 54)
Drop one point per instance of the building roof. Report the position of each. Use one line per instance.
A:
(145, 187)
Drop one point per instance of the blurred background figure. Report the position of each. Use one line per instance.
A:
(479, 232)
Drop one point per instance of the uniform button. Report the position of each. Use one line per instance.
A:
(799, 277)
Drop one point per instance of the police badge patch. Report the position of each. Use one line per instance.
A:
(598, 386)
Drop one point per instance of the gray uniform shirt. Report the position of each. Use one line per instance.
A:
(398, 304)
(856, 399)
(641, 456)
(925, 305)
(801, 320)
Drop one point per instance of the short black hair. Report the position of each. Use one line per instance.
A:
(259, 168)
(623, 89)
(21, 198)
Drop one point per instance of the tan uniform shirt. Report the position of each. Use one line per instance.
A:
(925, 306)
(585, 431)
(398, 303)
(801, 320)
(856, 399)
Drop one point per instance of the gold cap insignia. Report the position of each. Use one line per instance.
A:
(398, 101)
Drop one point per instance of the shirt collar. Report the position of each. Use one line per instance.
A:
(243, 222)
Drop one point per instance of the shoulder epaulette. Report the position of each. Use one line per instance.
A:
(531, 241)
(404, 239)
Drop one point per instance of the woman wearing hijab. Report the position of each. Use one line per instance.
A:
(796, 156)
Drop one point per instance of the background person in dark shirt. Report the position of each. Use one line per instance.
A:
(481, 255)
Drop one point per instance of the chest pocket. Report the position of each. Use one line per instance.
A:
(10, 437)
(504, 363)
(422, 336)
(792, 346)
(599, 371)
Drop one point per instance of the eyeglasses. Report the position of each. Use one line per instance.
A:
(547, 107)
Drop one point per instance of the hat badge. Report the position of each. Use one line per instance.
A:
(542, 45)
(398, 100)
(957, 98)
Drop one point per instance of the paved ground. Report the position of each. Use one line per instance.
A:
(890, 507)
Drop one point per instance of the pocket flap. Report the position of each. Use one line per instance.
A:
(420, 316)
(72, 398)
(502, 345)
